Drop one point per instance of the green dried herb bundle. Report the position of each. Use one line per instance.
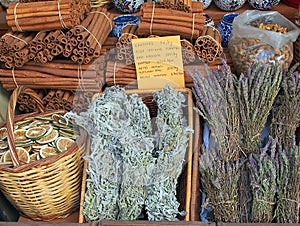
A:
(103, 120)
(263, 182)
(220, 181)
(288, 180)
(286, 110)
(137, 147)
(172, 141)
(216, 99)
(256, 94)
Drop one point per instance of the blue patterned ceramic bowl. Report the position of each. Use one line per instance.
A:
(225, 27)
(128, 6)
(263, 4)
(122, 21)
(205, 2)
(229, 5)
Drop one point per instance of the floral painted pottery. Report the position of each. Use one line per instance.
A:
(205, 2)
(229, 5)
(122, 21)
(209, 21)
(128, 6)
(225, 27)
(263, 4)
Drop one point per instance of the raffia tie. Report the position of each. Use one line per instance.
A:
(291, 200)
(78, 26)
(11, 35)
(14, 77)
(152, 17)
(16, 17)
(80, 78)
(109, 20)
(193, 26)
(60, 16)
(265, 201)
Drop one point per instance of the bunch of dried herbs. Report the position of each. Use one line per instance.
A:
(263, 182)
(216, 100)
(137, 161)
(220, 181)
(286, 110)
(256, 94)
(288, 181)
(171, 144)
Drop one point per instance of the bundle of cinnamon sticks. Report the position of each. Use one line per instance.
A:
(165, 21)
(58, 100)
(59, 74)
(183, 5)
(14, 48)
(124, 46)
(46, 15)
(84, 42)
(208, 44)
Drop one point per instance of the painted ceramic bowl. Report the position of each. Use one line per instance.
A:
(209, 21)
(263, 4)
(205, 2)
(122, 21)
(229, 5)
(225, 27)
(128, 6)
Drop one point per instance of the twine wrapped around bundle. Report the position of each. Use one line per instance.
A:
(208, 44)
(45, 15)
(14, 48)
(164, 21)
(84, 42)
(60, 74)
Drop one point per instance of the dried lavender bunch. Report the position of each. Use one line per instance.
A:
(172, 138)
(288, 180)
(263, 182)
(216, 100)
(103, 120)
(137, 147)
(286, 110)
(220, 180)
(256, 94)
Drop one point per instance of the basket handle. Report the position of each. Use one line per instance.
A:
(10, 119)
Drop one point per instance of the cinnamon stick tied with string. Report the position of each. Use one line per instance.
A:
(124, 45)
(84, 42)
(14, 48)
(182, 5)
(163, 21)
(45, 15)
(60, 74)
(188, 52)
(208, 46)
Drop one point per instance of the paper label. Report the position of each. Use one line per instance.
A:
(158, 62)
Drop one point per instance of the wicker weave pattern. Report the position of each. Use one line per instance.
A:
(48, 188)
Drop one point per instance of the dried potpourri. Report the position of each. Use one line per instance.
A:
(38, 137)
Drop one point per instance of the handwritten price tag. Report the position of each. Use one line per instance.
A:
(158, 62)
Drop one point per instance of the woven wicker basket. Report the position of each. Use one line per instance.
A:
(185, 180)
(47, 188)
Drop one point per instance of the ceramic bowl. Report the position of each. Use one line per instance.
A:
(263, 4)
(121, 21)
(205, 2)
(209, 21)
(225, 27)
(128, 6)
(229, 5)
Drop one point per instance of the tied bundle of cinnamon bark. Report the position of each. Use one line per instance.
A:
(46, 45)
(164, 21)
(124, 45)
(58, 100)
(46, 15)
(183, 5)
(59, 74)
(208, 44)
(28, 104)
(84, 42)
(14, 48)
